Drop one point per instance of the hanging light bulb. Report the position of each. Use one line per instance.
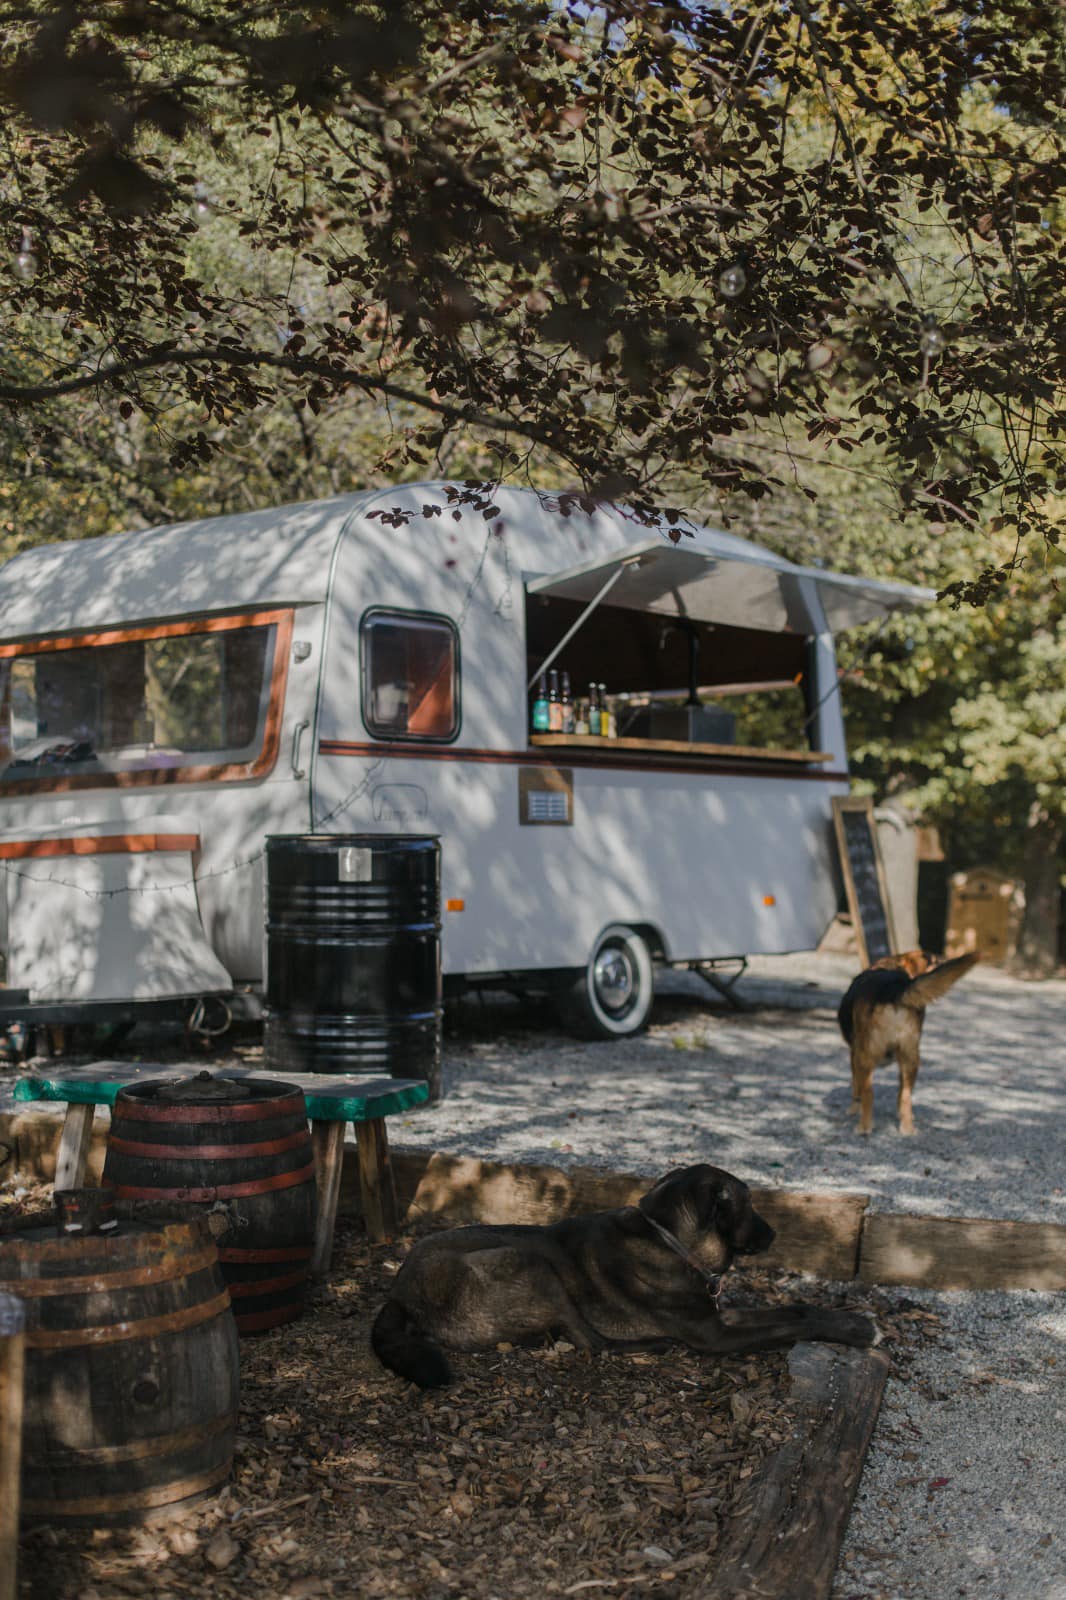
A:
(201, 202)
(732, 281)
(26, 262)
(932, 341)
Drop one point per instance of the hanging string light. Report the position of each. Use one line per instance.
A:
(932, 340)
(732, 281)
(201, 202)
(26, 262)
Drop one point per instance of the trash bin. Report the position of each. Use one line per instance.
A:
(353, 955)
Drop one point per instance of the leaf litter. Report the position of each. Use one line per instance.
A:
(542, 1471)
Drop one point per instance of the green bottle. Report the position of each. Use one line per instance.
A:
(540, 707)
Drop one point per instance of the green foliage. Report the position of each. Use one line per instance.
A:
(602, 247)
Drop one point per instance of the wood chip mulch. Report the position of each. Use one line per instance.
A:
(541, 1472)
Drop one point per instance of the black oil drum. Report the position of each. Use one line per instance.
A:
(353, 955)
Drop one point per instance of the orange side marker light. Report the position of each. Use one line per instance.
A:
(455, 905)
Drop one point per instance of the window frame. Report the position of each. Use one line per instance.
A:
(408, 615)
(219, 772)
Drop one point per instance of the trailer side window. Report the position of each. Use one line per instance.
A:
(410, 675)
(179, 702)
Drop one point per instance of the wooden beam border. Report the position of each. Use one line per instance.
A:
(833, 1236)
(787, 1523)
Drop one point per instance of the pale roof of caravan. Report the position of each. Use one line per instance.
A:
(282, 556)
(231, 563)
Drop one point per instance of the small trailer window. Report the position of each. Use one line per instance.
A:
(178, 702)
(410, 676)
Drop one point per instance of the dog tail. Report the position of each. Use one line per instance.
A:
(930, 986)
(399, 1344)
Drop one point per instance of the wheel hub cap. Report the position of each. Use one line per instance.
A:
(614, 978)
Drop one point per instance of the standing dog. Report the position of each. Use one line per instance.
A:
(644, 1275)
(881, 1017)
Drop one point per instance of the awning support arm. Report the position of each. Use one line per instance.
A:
(553, 655)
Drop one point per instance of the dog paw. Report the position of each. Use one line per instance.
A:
(850, 1328)
(860, 1332)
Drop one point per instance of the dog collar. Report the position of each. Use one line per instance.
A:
(713, 1280)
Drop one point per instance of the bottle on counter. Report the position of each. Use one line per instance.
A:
(567, 705)
(540, 707)
(581, 717)
(594, 711)
(608, 724)
(555, 705)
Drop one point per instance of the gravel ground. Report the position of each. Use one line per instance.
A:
(964, 1488)
(766, 1093)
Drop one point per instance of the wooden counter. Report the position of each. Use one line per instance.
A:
(672, 747)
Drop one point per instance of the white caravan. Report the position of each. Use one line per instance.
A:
(171, 697)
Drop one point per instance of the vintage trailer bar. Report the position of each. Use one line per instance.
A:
(170, 698)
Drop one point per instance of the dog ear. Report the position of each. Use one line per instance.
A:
(719, 1209)
(662, 1200)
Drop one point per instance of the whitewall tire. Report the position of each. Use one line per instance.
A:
(612, 999)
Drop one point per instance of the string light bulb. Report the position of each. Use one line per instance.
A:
(732, 281)
(201, 202)
(932, 341)
(26, 262)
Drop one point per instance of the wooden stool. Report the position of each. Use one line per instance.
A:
(332, 1102)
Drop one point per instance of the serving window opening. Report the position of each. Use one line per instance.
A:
(410, 673)
(177, 702)
(672, 679)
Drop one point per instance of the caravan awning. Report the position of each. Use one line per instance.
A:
(719, 578)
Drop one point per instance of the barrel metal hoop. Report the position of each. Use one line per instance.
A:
(224, 1191)
(129, 1108)
(206, 1152)
(103, 1281)
(248, 1287)
(292, 1252)
(162, 1444)
(144, 1328)
(141, 1500)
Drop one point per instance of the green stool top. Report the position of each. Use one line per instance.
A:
(329, 1099)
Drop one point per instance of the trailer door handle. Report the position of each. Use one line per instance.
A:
(297, 735)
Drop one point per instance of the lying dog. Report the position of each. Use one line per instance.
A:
(642, 1276)
(881, 1017)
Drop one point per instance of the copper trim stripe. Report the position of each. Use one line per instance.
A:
(107, 844)
(222, 1191)
(113, 1332)
(104, 1280)
(156, 630)
(294, 1252)
(142, 1499)
(129, 1108)
(258, 1321)
(206, 1152)
(254, 1286)
(139, 1449)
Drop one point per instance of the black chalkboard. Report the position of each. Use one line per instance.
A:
(864, 878)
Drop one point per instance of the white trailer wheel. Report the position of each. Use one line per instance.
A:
(612, 999)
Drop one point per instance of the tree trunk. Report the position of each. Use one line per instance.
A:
(1038, 947)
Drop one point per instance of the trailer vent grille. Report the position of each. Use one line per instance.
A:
(546, 795)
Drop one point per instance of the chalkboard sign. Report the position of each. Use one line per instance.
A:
(864, 879)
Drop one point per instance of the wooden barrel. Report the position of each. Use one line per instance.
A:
(131, 1380)
(244, 1141)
